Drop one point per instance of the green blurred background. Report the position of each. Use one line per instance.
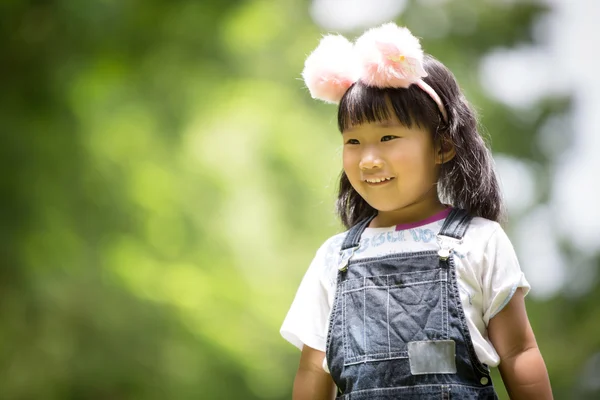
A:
(167, 179)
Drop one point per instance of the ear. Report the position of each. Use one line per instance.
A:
(444, 151)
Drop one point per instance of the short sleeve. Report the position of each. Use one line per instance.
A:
(307, 319)
(501, 274)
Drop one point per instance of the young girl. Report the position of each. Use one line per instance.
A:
(423, 292)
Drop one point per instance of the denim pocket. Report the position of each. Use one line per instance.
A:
(382, 314)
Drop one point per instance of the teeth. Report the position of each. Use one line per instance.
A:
(377, 180)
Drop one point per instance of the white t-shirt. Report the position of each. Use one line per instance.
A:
(488, 274)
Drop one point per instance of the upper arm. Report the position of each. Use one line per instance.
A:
(500, 273)
(312, 382)
(510, 330)
(521, 364)
(312, 360)
(307, 319)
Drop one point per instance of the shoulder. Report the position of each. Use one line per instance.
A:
(488, 233)
(487, 250)
(327, 255)
(482, 229)
(484, 234)
(333, 243)
(484, 243)
(331, 246)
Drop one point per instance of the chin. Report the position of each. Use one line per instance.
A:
(386, 207)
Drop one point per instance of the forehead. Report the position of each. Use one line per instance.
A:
(375, 108)
(389, 125)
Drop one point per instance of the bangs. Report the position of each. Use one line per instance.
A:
(364, 104)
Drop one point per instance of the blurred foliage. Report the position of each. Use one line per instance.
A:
(167, 180)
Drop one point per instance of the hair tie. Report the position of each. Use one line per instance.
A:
(385, 57)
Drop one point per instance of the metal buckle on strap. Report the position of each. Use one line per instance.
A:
(447, 245)
(345, 258)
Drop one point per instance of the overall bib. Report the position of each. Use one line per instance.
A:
(397, 328)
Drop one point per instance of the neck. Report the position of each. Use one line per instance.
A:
(411, 213)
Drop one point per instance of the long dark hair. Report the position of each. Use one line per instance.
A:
(466, 181)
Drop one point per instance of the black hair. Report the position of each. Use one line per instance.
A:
(466, 181)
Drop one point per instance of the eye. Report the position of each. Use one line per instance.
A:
(352, 141)
(388, 138)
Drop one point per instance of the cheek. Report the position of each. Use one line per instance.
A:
(403, 161)
(349, 162)
(413, 164)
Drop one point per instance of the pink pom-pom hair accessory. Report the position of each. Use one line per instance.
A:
(385, 57)
(331, 69)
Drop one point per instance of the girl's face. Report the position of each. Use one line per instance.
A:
(394, 168)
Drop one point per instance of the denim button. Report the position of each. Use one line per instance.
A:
(484, 380)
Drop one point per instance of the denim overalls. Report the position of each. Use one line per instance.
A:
(397, 328)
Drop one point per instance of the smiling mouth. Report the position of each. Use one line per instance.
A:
(377, 181)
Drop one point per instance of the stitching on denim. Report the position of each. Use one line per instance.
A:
(407, 255)
(366, 355)
(402, 354)
(442, 306)
(432, 387)
(456, 224)
(444, 299)
(424, 271)
(463, 322)
(445, 392)
(387, 322)
(395, 286)
(334, 311)
(432, 271)
(365, 318)
(446, 294)
(384, 357)
(353, 237)
(344, 328)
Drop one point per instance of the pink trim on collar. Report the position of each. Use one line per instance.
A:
(435, 217)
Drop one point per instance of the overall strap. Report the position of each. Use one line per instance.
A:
(351, 242)
(456, 224)
(353, 237)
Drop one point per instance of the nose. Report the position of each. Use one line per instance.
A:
(370, 160)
